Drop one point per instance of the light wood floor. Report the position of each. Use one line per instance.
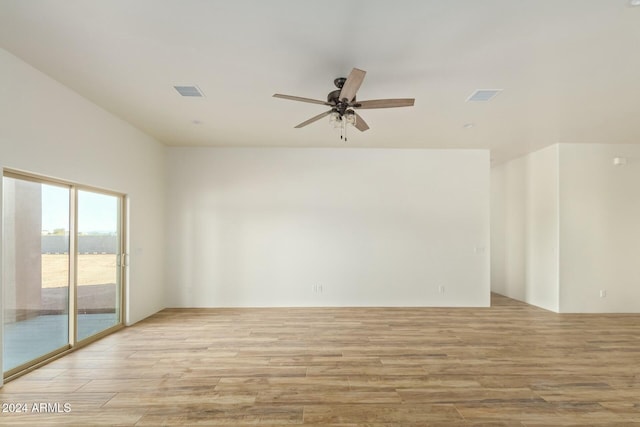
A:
(511, 365)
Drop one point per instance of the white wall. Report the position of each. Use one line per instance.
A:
(568, 221)
(600, 228)
(47, 129)
(542, 232)
(261, 227)
(498, 230)
(524, 224)
(508, 191)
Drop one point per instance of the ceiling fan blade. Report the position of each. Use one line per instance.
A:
(385, 103)
(314, 119)
(352, 84)
(298, 98)
(361, 125)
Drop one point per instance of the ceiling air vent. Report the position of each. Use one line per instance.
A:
(189, 91)
(483, 95)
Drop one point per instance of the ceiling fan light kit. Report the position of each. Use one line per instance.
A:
(343, 104)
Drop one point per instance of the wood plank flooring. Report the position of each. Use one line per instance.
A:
(508, 365)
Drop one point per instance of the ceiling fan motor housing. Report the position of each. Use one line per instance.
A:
(334, 98)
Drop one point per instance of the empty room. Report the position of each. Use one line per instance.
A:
(349, 213)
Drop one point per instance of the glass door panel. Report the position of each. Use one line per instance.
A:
(35, 270)
(98, 270)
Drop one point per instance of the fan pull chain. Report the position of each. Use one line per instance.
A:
(345, 130)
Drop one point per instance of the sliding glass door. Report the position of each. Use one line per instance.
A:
(98, 268)
(35, 271)
(62, 269)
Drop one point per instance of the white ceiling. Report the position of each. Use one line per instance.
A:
(568, 68)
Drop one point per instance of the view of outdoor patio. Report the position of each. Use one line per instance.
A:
(44, 259)
(34, 333)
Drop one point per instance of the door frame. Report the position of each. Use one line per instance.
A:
(122, 264)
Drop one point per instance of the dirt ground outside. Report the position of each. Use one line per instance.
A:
(96, 269)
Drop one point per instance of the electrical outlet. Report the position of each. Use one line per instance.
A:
(441, 289)
(603, 293)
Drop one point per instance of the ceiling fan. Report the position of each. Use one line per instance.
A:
(343, 103)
